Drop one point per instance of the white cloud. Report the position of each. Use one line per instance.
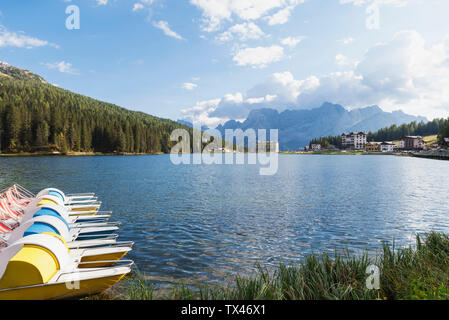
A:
(216, 11)
(403, 74)
(102, 2)
(258, 57)
(346, 40)
(279, 92)
(292, 41)
(243, 32)
(64, 67)
(281, 17)
(190, 86)
(163, 25)
(20, 40)
(138, 6)
(341, 60)
(395, 3)
(201, 112)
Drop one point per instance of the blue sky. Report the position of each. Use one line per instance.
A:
(214, 60)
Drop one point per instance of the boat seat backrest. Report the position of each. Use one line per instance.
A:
(57, 248)
(53, 192)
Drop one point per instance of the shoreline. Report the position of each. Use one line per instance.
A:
(75, 154)
(322, 153)
(348, 153)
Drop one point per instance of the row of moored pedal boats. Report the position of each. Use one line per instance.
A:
(57, 246)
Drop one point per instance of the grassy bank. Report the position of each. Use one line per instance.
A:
(417, 272)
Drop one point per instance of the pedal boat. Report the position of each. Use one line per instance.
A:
(84, 240)
(86, 252)
(57, 210)
(79, 204)
(39, 267)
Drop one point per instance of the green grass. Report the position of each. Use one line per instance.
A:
(417, 272)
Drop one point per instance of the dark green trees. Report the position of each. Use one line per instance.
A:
(36, 116)
(437, 126)
(444, 133)
(412, 129)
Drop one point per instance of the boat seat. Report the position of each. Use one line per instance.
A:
(42, 224)
(33, 260)
(53, 192)
(52, 211)
(46, 199)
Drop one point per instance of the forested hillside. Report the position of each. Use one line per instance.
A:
(36, 116)
(412, 129)
(394, 132)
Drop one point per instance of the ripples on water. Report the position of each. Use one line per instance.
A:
(210, 222)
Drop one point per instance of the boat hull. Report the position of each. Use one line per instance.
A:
(61, 290)
(102, 260)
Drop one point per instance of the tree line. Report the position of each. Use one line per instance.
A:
(412, 129)
(327, 142)
(36, 116)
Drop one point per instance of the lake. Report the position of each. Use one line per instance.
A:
(203, 222)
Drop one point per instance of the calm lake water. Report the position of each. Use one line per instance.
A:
(210, 222)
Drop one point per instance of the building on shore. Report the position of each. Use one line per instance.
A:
(373, 146)
(315, 147)
(387, 146)
(354, 140)
(411, 143)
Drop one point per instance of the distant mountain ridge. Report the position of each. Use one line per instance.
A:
(298, 127)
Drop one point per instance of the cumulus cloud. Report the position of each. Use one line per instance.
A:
(396, 3)
(243, 32)
(21, 40)
(102, 2)
(138, 6)
(280, 17)
(279, 92)
(258, 57)
(405, 73)
(346, 40)
(201, 112)
(164, 26)
(62, 66)
(292, 41)
(189, 86)
(341, 59)
(216, 11)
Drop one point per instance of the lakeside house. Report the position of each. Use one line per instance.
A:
(387, 146)
(412, 143)
(446, 141)
(373, 146)
(315, 147)
(354, 140)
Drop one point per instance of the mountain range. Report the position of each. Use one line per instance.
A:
(298, 127)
